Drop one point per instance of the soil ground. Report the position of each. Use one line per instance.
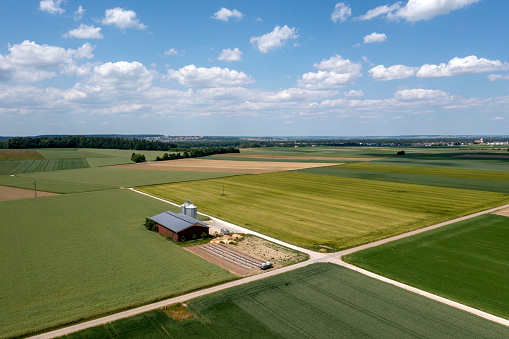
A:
(11, 193)
(504, 212)
(292, 157)
(203, 165)
(254, 248)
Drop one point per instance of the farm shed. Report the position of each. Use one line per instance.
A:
(178, 225)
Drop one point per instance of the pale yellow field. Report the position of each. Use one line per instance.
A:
(202, 165)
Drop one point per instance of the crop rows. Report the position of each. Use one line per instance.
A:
(434, 171)
(313, 210)
(41, 165)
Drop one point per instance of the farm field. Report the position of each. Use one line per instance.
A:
(489, 183)
(465, 261)
(11, 193)
(207, 165)
(9, 154)
(315, 211)
(317, 301)
(71, 257)
(40, 165)
(100, 178)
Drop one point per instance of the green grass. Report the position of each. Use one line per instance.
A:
(41, 165)
(433, 171)
(69, 153)
(467, 261)
(122, 177)
(432, 180)
(99, 162)
(126, 154)
(47, 185)
(71, 257)
(312, 210)
(317, 301)
(19, 154)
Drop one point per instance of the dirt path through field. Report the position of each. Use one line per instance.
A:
(11, 193)
(295, 157)
(229, 166)
(503, 212)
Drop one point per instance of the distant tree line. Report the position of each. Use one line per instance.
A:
(198, 152)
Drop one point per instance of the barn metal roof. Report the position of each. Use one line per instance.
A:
(176, 222)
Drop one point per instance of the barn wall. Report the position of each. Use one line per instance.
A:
(189, 232)
(167, 233)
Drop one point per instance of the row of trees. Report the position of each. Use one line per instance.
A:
(87, 142)
(198, 152)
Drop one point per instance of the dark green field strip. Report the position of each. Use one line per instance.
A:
(317, 301)
(431, 180)
(72, 257)
(311, 210)
(122, 177)
(41, 165)
(448, 160)
(467, 261)
(433, 171)
(69, 153)
(50, 185)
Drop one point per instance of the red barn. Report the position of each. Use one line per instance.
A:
(179, 225)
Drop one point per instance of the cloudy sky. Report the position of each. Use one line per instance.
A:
(268, 68)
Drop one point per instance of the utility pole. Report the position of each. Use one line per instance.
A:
(35, 189)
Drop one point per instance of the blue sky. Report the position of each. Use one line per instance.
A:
(267, 68)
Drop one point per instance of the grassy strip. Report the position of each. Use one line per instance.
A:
(431, 180)
(122, 177)
(69, 153)
(72, 257)
(316, 210)
(19, 154)
(466, 261)
(41, 165)
(317, 301)
(432, 171)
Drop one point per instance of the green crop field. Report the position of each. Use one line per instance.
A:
(122, 177)
(41, 165)
(71, 257)
(126, 154)
(69, 153)
(434, 179)
(313, 210)
(317, 301)
(433, 171)
(467, 261)
(19, 154)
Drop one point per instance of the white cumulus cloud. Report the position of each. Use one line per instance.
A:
(51, 6)
(192, 76)
(459, 66)
(230, 55)
(78, 15)
(416, 10)
(275, 39)
(380, 10)
(122, 75)
(341, 12)
(122, 18)
(225, 14)
(334, 72)
(31, 62)
(174, 52)
(84, 32)
(382, 73)
(375, 37)
(354, 93)
(420, 94)
(496, 77)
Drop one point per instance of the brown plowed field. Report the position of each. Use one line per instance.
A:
(230, 166)
(294, 157)
(503, 211)
(11, 193)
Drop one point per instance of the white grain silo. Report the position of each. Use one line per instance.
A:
(189, 209)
